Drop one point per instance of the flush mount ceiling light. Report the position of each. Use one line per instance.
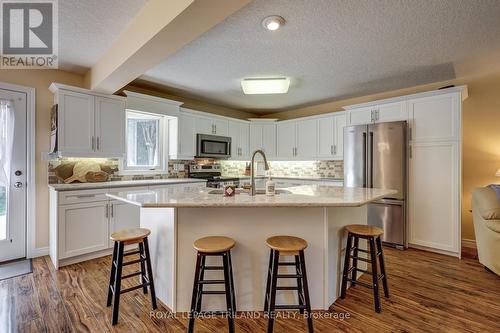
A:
(273, 22)
(276, 85)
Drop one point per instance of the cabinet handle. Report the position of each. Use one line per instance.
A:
(112, 210)
(215, 128)
(377, 114)
(410, 151)
(81, 196)
(92, 142)
(334, 149)
(331, 149)
(106, 211)
(371, 114)
(98, 144)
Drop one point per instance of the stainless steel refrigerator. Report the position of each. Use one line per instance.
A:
(375, 156)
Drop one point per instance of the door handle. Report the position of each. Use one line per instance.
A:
(18, 184)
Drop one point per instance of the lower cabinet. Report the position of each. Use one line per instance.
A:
(122, 216)
(83, 228)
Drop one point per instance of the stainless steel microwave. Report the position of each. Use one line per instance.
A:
(213, 146)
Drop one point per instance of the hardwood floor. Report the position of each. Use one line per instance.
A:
(429, 293)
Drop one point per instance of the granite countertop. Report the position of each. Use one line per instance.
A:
(297, 178)
(298, 196)
(123, 183)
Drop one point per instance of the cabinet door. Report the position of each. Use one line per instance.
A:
(338, 148)
(391, 112)
(110, 126)
(326, 136)
(234, 134)
(256, 136)
(123, 216)
(186, 135)
(220, 127)
(204, 126)
(76, 122)
(434, 198)
(360, 116)
(269, 145)
(307, 139)
(83, 228)
(244, 140)
(435, 118)
(286, 139)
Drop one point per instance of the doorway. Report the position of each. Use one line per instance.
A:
(13, 174)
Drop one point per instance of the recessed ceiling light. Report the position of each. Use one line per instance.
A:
(273, 22)
(275, 85)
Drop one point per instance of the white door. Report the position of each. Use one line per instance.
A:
(76, 123)
(13, 168)
(307, 139)
(326, 137)
(286, 139)
(110, 126)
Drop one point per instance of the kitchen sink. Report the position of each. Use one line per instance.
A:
(242, 191)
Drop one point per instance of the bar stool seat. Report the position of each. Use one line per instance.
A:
(286, 245)
(364, 230)
(130, 236)
(214, 244)
(127, 237)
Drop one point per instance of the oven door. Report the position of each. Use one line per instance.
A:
(213, 146)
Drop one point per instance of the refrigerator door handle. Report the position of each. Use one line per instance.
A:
(371, 159)
(364, 159)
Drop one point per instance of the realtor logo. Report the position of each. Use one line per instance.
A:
(29, 34)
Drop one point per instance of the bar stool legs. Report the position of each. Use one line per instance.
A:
(145, 272)
(375, 254)
(216, 246)
(302, 288)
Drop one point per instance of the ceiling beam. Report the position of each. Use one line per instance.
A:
(156, 32)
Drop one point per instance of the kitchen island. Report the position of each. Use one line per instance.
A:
(180, 215)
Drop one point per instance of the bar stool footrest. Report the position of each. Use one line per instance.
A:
(364, 284)
(290, 307)
(134, 288)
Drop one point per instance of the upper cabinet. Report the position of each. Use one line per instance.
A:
(297, 139)
(89, 124)
(212, 126)
(239, 131)
(331, 136)
(182, 136)
(263, 136)
(377, 113)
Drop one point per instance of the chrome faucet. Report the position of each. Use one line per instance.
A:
(252, 169)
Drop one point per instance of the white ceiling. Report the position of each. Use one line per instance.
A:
(331, 49)
(88, 27)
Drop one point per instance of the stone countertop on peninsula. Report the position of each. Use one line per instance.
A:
(299, 196)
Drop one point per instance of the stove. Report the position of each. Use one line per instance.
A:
(212, 173)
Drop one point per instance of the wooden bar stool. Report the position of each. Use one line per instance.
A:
(287, 246)
(217, 246)
(372, 235)
(126, 237)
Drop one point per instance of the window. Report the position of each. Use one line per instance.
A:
(144, 142)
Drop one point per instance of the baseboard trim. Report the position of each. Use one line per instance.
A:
(470, 243)
(429, 249)
(39, 252)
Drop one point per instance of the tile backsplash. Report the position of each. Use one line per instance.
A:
(179, 169)
(333, 169)
(176, 169)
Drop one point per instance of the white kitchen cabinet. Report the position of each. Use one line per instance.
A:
(122, 216)
(83, 228)
(263, 136)
(211, 126)
(306, 137)
(110, 126)
(435, 118)
(75, 128)
(434, 196)
(331, 136)
(239, 132)
(182, 137)
(377, 113)
(286, 143)
(89, 124)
